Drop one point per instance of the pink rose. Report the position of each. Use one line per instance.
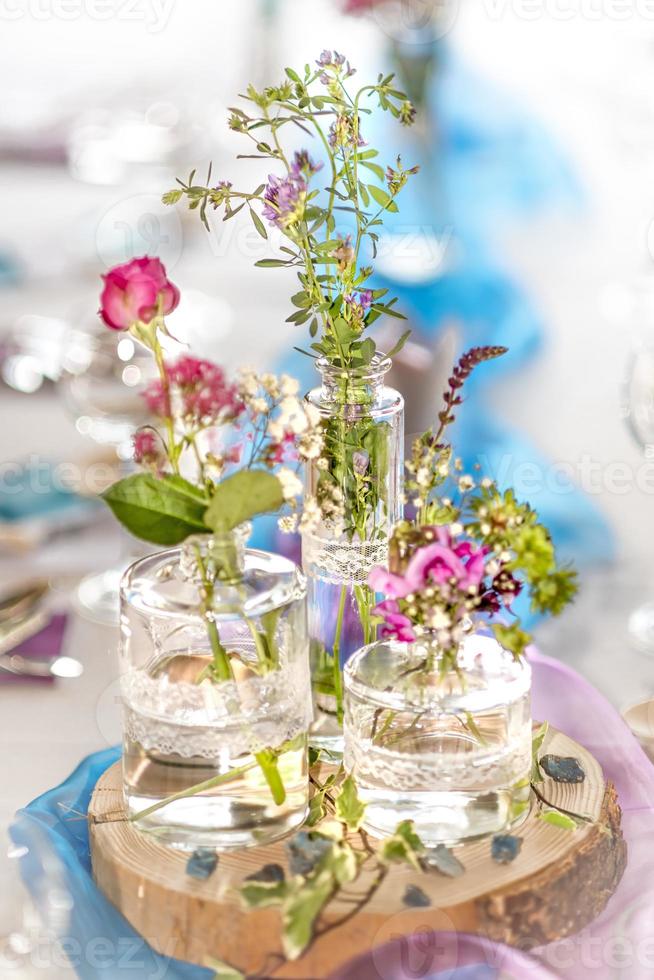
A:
(134, 291)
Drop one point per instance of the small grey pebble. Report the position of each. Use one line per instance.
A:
(202, 863)
(562, 769)
(304, 852)
(505, 848)
(441, 859)
(269, 873)
(415, 897)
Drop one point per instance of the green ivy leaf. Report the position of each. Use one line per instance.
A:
(536, 745)
(241, 497)
(349, 808)
(558, 819)
(301, 910)
(403, 847)
(263, 894)
(161, 510)
(223, 971)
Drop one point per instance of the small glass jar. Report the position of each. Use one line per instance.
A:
(364, 449)
(216, 693)
(449, 749)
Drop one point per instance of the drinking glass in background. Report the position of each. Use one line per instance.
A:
(30, 925)
(638, 406)
(103, 376)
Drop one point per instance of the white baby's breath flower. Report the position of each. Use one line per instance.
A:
(456, 529)
(270, 384)
(322, 463)
(486, 483)
(288, 523)
(291, 483)
(259, 405)
(288, 385)
(312, 414)
(485, 528)
(248, 382)
(276, 430)
(423, 477)
(466, 483)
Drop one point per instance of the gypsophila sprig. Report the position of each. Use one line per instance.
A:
(310, 191)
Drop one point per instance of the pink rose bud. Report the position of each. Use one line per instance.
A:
(135, 291)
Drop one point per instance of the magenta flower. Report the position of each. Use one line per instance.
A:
(396, 625)
(136, 291)
(395, 586)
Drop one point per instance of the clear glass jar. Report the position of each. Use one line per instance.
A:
(449, 750)
(216, 693)
(364, 448)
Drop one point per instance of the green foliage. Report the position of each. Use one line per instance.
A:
(318, 101)
(558, 819)
(223, 971)
(349, 808)
(162, 510)
(512, 637)
(536, 744)
(403, 847)
(241, 497)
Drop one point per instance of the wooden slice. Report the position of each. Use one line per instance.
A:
(560, 881)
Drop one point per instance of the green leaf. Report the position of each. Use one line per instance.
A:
(396, 348)
(161, 510)
(349, 808)
(382, 198)
(223, 971)
(536, 743)
(270, 263)
(172, 197)
(301, 910)
(301, 299)
(241, 497)
(403, 847)
(376, 169)
(512, 638)
(258, 223)
(558, 819)
(293, 75)
(263, 894)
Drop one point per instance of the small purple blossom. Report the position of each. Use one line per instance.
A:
(360, 462)
(366, 298)
(303, 165)
(223, 185)
(284, 198)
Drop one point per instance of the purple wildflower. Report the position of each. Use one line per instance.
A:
(303, 165)
(284, 200)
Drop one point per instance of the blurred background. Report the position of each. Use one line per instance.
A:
(531, 223)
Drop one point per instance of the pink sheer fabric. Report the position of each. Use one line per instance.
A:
(619, 945)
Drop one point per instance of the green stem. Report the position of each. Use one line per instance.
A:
(336, 650)
(194, 790)
(267, 762)
(170, 428)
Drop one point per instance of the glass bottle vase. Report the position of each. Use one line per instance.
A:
(360, 475)
(216, 693)
(449, 749)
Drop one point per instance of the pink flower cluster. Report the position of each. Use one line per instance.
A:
(147, 449)
(450, 572)
(204, 393)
